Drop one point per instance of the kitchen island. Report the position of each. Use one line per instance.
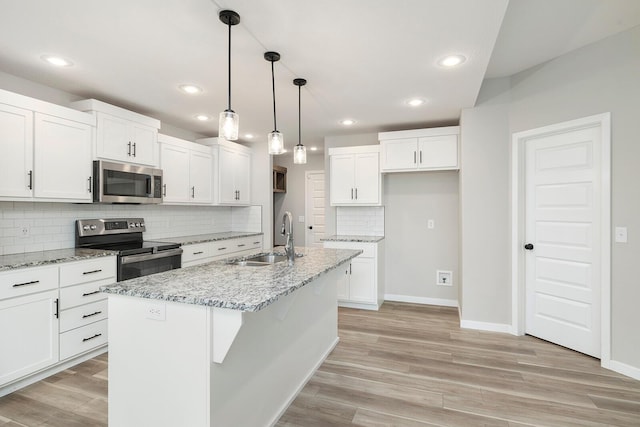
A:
(220, 344)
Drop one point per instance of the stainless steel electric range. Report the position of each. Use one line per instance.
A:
(136, 256)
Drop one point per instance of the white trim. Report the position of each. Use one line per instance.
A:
(417, 133)
(304, 382)
(421, 300)
(486, 326)
(517, 226)
(622, 368)
(354, 150)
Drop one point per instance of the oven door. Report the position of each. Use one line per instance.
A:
(132, 266)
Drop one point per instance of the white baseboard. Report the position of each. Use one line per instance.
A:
(421, 300)
(623, 368)
(486, 326)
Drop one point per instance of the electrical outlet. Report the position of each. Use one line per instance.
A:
(301, 218)
(156, 311)
(431, 224)
(444, 278)
(24, 231)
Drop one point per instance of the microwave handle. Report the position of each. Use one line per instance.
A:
(150, 185)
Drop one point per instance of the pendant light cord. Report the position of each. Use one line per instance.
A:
(273, 86)
(299, 117)
(229, 67)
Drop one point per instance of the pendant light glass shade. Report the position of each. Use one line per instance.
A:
(229, 121)
(276, 142)
(300, 154)
(228, 125)
(299, 151)
(275, 139)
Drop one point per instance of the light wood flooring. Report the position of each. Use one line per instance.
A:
(406, 365)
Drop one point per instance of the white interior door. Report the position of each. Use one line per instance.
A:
(563, 225)
(314, 208)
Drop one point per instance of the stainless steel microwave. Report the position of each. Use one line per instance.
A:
(126, 183)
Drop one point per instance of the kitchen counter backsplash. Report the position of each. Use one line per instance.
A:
(360, 220)
(37, 259)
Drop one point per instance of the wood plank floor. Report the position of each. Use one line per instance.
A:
(406, 365)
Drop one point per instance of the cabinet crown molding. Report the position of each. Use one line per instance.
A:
(93, 105)
(417, 133)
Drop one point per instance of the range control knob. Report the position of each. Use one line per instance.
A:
(85, 227)
(137, 224)
(132, 225)
(93, 227)
(142, 224)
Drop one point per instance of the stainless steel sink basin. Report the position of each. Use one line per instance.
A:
(260, 260)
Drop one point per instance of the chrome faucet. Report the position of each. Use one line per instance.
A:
(289, 250)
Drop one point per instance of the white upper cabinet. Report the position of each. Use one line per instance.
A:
(355, 176)
(419, 149)
(232, 172)
(46, 151)
(123, 135)
(187, 170)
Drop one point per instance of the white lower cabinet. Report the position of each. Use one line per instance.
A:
(201, 253)
(362, 284)
(28, 322)
(49, 315)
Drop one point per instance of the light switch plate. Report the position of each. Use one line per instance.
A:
(301, 218)
(621, 234)
(431, 224)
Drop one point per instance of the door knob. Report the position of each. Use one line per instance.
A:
(528, 246)
(310, 227)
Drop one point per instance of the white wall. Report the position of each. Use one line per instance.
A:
(261, 190)
(294, 199)
(598, 78)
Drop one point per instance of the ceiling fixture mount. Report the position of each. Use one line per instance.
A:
(229, 121)
(452, 60)
(275, 138)
(299, 151)
(190, 89)
(58, 61)
(347, 122)
(415, 102)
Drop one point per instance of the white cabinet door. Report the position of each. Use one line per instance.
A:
(362, 285)
(342, 177)
(16, 146)
(399, 154)
(243, 177)
(29, 334)
(438, 152)
(367, 179)
(126, 141)
(226, 176)
(200, 174)
(343, 284)
(174, 161)
(62, 159)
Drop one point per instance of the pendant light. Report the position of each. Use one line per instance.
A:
(229, 120)
(299, 151)
(275, 138)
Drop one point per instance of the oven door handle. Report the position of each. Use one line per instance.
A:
(128, 259)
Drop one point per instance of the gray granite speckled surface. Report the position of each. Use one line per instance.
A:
(351, 238)
(36, 259)
(203, 238)
(219, 284)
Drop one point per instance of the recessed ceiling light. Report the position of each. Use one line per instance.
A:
(284, 150)
(347, 122)
(313, 148)
(58, 61)
(248, 135)
(190, 89)
(452, 60)
(203, 117)
(415, 102)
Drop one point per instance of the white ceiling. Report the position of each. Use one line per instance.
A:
(362, 58)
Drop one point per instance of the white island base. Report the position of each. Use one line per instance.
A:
(175, 364)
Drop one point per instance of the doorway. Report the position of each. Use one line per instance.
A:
(561, 234)
(314, 208)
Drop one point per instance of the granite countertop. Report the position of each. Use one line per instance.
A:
(220, 284)
(203, 238)
(37, 259)
(353, 238)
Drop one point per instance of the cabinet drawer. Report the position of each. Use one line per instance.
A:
(196, 252)
(369, 249)
(27, 281)
(83, 339)
(83, 315)
(72, 296)
(246, 243)
(87, 271)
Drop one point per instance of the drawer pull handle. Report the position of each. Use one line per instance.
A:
(90, 293)
(241, 245)
(221, 249)
(92, 271)
(90, 338)
(33, 282)
(256, 243)
(84, 316)
(198, 253)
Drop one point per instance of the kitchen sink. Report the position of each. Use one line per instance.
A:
(260, 260)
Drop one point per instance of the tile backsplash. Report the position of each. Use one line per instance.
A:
(360, 220)
(51, 225)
